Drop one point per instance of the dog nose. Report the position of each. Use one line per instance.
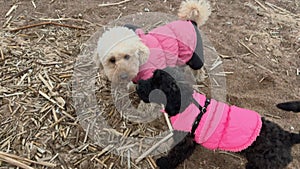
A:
(124, 76)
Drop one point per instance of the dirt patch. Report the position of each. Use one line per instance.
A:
(260, 44)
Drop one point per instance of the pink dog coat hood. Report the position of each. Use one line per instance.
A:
(222, 127)
(170, 45)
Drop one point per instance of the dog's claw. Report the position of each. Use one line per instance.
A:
(131, 87)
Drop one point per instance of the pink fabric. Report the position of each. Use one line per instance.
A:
(222, 127)
(170, 45)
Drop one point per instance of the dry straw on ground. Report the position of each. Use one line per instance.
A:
(39, 127)
(38, 123)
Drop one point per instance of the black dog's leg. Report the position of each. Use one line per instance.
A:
(272, 148)
(179, 153)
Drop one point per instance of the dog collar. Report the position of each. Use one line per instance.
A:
(201, 113)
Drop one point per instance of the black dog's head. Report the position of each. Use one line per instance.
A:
(172, 86)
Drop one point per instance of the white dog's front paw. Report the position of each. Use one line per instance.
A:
(146, 107)
(131, 87)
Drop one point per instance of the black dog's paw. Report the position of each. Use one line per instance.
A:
(163, 163)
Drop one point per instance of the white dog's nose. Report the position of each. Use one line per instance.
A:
(124, 76)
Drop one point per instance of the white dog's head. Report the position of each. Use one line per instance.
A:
(121, 52)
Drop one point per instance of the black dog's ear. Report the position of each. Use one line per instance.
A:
(157, 73)
(290, 106)
(157, 77)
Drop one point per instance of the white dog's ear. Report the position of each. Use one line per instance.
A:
(142, 53)
(100, 66)
(98, 61)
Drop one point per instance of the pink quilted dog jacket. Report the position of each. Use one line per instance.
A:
(222, 127)
(170, 45)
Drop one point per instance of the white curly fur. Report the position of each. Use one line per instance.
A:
(195, 10)
(113, 37)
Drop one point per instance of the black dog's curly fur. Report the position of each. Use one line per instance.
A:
(271, 150)
(179, 152)
(178, 92)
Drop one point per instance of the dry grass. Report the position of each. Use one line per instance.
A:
(39, 125)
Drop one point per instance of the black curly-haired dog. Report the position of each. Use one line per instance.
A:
(270, 150)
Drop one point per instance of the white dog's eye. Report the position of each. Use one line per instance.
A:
(127, 57)
(112, 60)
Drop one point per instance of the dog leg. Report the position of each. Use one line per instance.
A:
(146, 107)
(179, 153)
(131, 87)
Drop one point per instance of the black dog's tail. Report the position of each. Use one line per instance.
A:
(290, 106)
(295, 107)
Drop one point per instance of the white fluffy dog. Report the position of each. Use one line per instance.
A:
(123, 52)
